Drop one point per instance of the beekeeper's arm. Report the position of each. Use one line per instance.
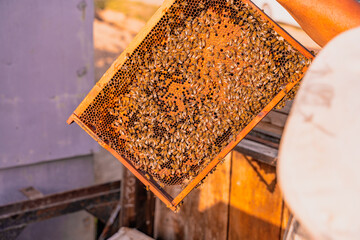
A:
(322, 20)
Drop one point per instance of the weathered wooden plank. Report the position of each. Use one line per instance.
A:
(285, 109)
(256, 133)
(265, 141)
(256, 206)
(269, 129)
(259, 151)
(276, 118)
(145, 209)
(204, 214)
(128, 199)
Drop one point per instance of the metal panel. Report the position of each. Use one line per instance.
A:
(72, 226)
(50, 177)
(46, 68)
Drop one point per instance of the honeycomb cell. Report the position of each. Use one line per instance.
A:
(204, 71)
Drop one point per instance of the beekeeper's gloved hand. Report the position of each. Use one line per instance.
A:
(322, 20)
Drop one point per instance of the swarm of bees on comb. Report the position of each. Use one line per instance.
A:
(197, 79)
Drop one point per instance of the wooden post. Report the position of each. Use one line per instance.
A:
(257, 210)
(137, 204)
(204, 214)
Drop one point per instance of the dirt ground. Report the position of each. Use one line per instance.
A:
(113, 31)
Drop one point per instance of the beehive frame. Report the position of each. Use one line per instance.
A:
(149, 181)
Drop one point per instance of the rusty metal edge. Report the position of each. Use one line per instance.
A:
(20, 214)
(62, 196)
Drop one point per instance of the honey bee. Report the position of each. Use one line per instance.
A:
(182, 15)
(235, 85)
(184, 3)
(207, 34)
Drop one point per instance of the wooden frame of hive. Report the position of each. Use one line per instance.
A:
(151, 184)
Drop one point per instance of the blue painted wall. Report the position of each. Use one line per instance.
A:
(46, 69)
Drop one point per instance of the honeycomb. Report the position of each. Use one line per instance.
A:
(202, 74)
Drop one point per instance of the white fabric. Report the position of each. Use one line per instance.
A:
(319, 158)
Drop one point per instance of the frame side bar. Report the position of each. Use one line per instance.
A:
(154, 187)
(115, 66)
(293, 42)
(234, 143)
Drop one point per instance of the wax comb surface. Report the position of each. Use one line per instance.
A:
(192, 84)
